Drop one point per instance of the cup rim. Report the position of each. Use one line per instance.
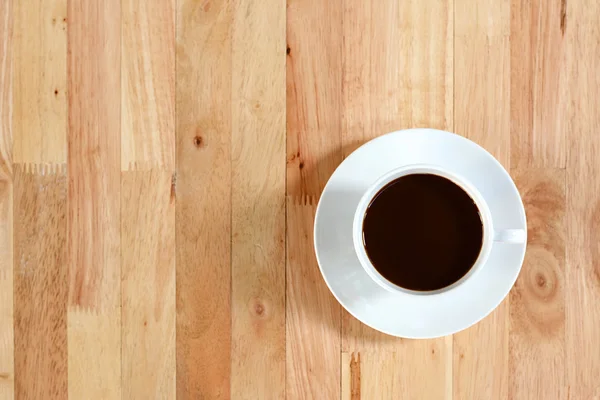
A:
(472, 192)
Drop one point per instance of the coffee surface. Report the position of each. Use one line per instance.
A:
(422, 232)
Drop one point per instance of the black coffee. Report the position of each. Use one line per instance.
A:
(422, 232)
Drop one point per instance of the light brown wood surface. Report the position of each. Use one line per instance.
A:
(202, 193)
(7, 369)
(258, 200)
(41, 286)
(148, 285)
(93, 168)
(161, 162)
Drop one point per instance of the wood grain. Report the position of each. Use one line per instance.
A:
(40, 81)
(148, 84)
(6, 206)
(482, 113)
(94, 315)
(482, 75)
(583, 204)
(537, 302)
(258, 200)
(313, 315)
(147, 199)
(314, 94)
(392, 375)
(41, 269)
(6, 86)
(314, 149)
(40, 281)
(482, 351)
(203, 205)
(6, 289)
(538, 88)
(397, 68)
(148, 285)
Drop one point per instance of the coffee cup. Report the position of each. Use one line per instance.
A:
(345, 257)
(489, 234)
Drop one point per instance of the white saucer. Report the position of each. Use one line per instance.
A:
(402, 314)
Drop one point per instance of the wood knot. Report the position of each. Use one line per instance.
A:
(173, 194)
(355, 377)
(258, 309)
(540, 280)
(563, 16)
(301, 165)
(293, 157)
(56, 92)
(288, 51)
(198, 141)
(543, 283)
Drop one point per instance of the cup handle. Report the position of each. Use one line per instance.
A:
(514, 236)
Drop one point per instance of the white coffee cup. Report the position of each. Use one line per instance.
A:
(363, 291)
(515, 236)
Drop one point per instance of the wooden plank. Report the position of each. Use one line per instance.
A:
(40, 81)
(6, 287)
(40, 281)
(203, 207)
(537, 302)
(147, 199)
(94, 314)
(391, 375)
(6, 206)
(484, 356)
(481, 101)
(313, 315)
(583, 206)
(398, 61)
(397, 74)
(148, 285)
(40, 126)
(346, 378)
(314, 149)
(314, 94)
(148, 84)
(537, 83)
(258, 200)
(482, 75)
(314, 72)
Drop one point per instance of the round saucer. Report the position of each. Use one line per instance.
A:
(423, 315)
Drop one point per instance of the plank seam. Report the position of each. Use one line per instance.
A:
(304, 200)
(42, 168)
(145, 166)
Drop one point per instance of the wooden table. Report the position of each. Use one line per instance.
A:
(160, 164)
